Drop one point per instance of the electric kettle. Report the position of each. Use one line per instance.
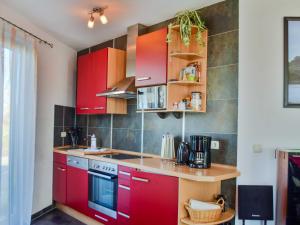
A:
(182, 156)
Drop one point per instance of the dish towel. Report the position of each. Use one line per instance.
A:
(199, 205)
(167, 147)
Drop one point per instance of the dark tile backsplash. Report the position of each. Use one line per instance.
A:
(64, 118)
(220, 120)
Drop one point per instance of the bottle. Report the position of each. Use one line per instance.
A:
(93, 142)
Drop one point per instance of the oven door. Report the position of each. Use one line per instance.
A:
(103, 193)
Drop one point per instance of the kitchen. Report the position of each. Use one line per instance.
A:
(141, 118)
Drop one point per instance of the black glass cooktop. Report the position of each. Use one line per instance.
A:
(123, 156)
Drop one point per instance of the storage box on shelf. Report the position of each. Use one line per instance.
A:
(179, 57)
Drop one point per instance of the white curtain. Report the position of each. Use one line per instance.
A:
(17, 125)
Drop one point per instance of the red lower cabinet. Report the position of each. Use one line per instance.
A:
(104, 219)
(77, 189)
(153, 199)
(60, 183)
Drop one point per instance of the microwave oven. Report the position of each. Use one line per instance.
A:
(152, 98)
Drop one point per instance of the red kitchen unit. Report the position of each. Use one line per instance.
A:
(96, 72)
(102, 218)
(153, 199)
(124, 191)
(77, 189)
(59, 178)
(151, 58)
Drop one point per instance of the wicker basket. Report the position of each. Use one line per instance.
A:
(206, 216)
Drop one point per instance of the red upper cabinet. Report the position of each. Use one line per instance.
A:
(158, 196)
(96, 72)
(151, 58)
(84, 66)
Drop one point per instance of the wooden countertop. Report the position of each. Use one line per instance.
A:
(217, 172)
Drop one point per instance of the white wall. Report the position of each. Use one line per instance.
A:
(262, 118)
(56, 85)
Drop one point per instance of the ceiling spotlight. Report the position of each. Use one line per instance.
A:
(91, 21)
(102, 17)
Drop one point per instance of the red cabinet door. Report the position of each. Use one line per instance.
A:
(98, 81)
(153, 199)
(77, 189)
(84, 66)
(92, 79)
(59, 182)
(151, 58)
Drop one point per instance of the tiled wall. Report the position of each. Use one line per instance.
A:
(220, 121)
(64, 118)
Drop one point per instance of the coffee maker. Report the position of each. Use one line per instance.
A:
(200, 156)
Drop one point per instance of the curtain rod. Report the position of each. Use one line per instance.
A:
(27, 32)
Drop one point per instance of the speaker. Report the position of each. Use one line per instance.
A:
(255, 202)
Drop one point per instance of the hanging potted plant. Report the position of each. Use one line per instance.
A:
(186, 20)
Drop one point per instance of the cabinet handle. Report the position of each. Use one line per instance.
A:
(124, 187)
(61, 169)
(84, 108)
(143, 78)
(124, 215)
(99, 108)
(101, 218)
(124, 173)
(140, 179)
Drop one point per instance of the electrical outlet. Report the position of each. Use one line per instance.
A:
(215, 145)
(63, 134)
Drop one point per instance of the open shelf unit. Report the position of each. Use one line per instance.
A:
(179, 57)
(225, 217)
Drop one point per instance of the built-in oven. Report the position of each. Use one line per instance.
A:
(103, 187)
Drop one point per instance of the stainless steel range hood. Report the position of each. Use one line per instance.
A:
(126, 89)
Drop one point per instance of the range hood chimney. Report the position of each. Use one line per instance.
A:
(125, 89)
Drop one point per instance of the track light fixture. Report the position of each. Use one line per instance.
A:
(102, 17)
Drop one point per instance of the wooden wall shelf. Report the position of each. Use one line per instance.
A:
(225, 217)
(190, 56)
(185, 82)
(170, 110)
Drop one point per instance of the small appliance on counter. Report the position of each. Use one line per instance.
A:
(152, 97)
(200, 154)
(182, 156)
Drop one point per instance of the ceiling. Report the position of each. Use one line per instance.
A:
(67, 20)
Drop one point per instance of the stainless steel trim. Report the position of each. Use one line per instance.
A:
(124, 215)
(106, 211)
(124, 173)
(143, 78)
(124, 187)
(140, 179)
(101, 218)
(100, 175)
(61, 169)
(78, 162)
(85, 108)
(98, 108)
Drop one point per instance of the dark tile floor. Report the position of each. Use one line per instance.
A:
(56, 217)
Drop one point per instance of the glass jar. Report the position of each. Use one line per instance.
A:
(196, 101)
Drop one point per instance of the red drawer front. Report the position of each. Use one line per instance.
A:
(125, 172)
(123, 198)
(59, 158)
(123, 219)
(104, 219)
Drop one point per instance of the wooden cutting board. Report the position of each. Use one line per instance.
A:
(86, 152)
